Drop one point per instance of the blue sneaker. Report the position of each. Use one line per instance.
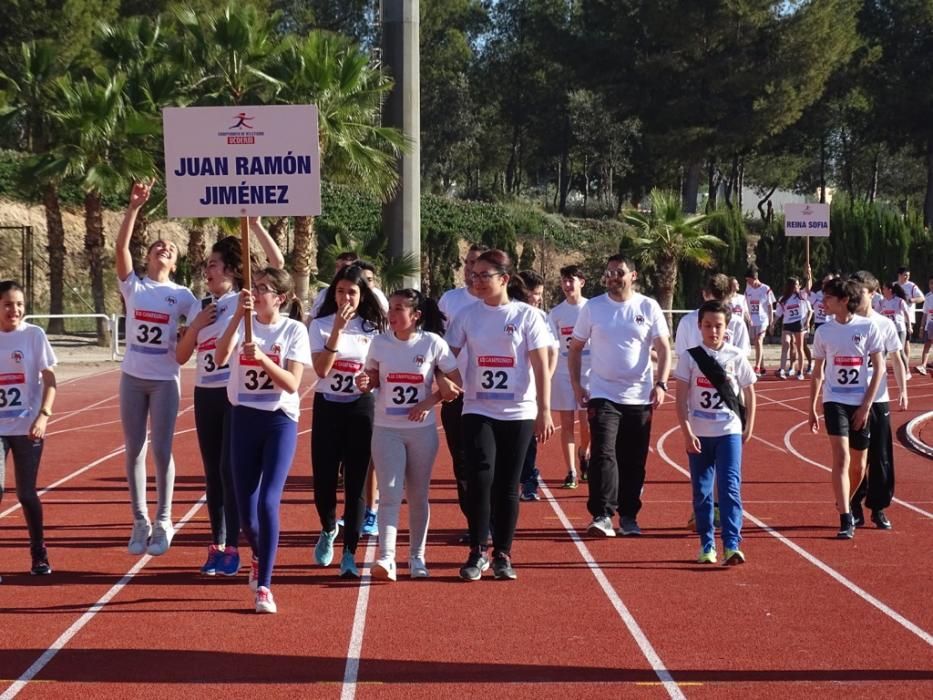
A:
(230, 562)
(370, 524)
(348, 566)
(324, 549)
(214, 555)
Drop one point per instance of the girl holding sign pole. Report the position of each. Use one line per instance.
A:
(402, 363)
(265, 374)
(342, 421)
(149, 383)
(224, 276)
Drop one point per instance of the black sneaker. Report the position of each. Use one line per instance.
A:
(40, 563)
(858, 515)
(846, 527)
(584, 469)
(475, 565)
(502, 567)
(880, 520)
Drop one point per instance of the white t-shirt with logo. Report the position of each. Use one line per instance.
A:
(153, 310)
(708, 414)
(819, 308)
(499, 381)
(561, 321)
(689, 334)
(210, 375)
(452, 303)
(759, 299)
(406, 375)
(621, 334)
(739, 305)
(912, 291)
(352, 348)
(928, 310)
(249, 383)
(846, 348)
(891, 343)
(795, 309)
(894, 309)
(24, 353)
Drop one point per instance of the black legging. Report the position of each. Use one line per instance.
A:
(495, 451)
(27, 453)
(451, 413)
(341, 433)
(212, 420)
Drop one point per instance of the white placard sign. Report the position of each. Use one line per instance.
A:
(806, 220)
(242, 161)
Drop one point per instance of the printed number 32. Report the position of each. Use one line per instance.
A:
(848, 376)
(495, 380)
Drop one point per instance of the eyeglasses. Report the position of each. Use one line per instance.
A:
(484, 276)
(263, 289)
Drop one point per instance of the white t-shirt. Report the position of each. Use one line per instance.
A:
(794, 310)
(621, 334)
(689, 334)
(24, 353)
(210, 374)
(846, 347)
(708, 414)
(894, 309)
(249, 384)
(499, 381)
(739, 305)
(561, 321)
(759, 299)
(352, 349)
(891, 343)
(452, 303)
(406, 375)
(912, 291)
(928, 309)
(876, 299)
(153, 310)
(819, 308)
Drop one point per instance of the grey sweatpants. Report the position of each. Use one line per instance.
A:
(156, 400)
(404, 458)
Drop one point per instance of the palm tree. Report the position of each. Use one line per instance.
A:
(336, 75)
(371, 246)
(26, 113)
(665, 236)
(99, 151)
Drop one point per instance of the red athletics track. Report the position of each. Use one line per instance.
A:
(631, 617)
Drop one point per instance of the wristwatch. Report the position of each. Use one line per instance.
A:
(661, 385)
(45, 412)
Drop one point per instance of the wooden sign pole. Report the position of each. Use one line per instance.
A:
(247, 276)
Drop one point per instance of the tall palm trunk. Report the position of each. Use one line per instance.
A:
(94, 249)
(667, 283)
(303, 253)
(56, 250)
(139, 244)
(196, 254)
(278, 229)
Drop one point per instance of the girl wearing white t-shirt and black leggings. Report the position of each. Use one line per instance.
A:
(342, 422)
(507, 399)
(402, 363)
(149, 384)
(265, 374)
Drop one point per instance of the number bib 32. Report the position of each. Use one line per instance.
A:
(209, 372)
(12, 396)
(148, 332)
(340, 384)
(709, 402)
(494, 378)
(256, 386)
(847, 376)
(404, 390)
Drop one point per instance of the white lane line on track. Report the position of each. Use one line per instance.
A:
(78, 472)
(89, 614)
(818, 563)
(92, 375)
(657, 665)
(68, 414)
(354, 651)
(789, 447)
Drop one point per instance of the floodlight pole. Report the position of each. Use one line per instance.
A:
(401, 217)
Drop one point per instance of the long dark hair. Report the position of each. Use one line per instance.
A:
(896, 289)
(10, 285)
(369, 310)
(432, 319)
(789, 290)
(502, 263)
(282, 283)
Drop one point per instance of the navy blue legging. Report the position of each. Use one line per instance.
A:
(262, 449)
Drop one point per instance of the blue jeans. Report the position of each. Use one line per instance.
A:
(719, 462)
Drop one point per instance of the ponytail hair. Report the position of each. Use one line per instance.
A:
(432, 319)
(230, 250)
(282, 283)
(502, 263)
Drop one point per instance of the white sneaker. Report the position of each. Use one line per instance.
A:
(800, 376)
(140, 537)
(601, 527)
(383, 570)
(417, 568)
(254, 574)
(265, 603)
(781, 374)
(161, 540)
